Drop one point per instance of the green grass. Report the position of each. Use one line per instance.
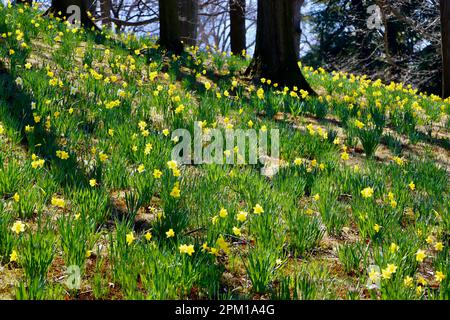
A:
(104, 210)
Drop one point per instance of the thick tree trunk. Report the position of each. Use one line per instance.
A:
(275, 55)
(391, 45)
(237, 26)
(169, 31)
(188, 19)
(445, 24)
(60, 9)
(297, 18)
(391, 38)
(105, 8)
(30, 2)
(363, 36)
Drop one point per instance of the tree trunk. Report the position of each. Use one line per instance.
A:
(105, 8)
(297, 18)
(363, 36)
(237, 26)
(188, 19)
(169, 32)
(30, 2)
(275, 55)
(391, 38)
(60, 9)
(445, 25)
(391, 47)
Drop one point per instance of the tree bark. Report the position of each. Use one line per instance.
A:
(105, 8)
(391, 47)
(169, 31)
(275, 55)
(30, 2)
(188, 19)
(60, 9)
(297, 18)
(445, 25)
(237, 26)
(363, 36)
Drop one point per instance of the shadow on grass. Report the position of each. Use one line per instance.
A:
(440, 142)
(42, 142)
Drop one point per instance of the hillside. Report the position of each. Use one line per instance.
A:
(358, 209)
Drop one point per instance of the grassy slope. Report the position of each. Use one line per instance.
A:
(104, 103)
